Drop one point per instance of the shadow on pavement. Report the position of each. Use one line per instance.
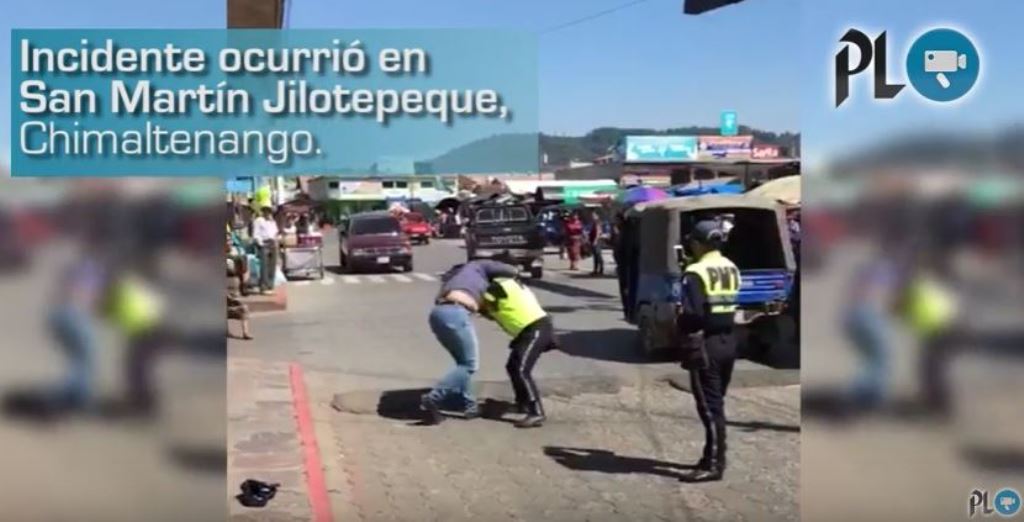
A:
(401, 404)
(615, 344)
(591, 307)
(404, 405)
(205, 460)
(567, 290)
(1004, 460)
(584, 459)
(751, 426)
(833, 404)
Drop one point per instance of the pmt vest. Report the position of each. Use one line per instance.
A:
(134, 308)
(721, 281)
(512, 305)
(930, 307)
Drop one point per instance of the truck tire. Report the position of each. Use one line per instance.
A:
(646, 345)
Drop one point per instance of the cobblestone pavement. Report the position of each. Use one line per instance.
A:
(600, 457)
(262, 440)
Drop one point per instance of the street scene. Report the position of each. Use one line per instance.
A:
(426, 336)
(621, 437)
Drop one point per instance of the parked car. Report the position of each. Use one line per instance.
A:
(373, 241)
(506, 231)
(416, 227)
(14, 246)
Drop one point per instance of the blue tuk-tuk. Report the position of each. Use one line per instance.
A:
(651, 275)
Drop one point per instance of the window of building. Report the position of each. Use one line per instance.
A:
(401, 184)
(427, 184)
(388, 184)
(333, 184)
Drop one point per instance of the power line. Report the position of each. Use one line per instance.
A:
(592, 16)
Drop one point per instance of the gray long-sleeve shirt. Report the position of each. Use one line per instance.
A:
(475, 276)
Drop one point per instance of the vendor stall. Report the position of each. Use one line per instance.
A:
(303, 255)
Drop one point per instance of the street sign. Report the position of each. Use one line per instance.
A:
(730, 124)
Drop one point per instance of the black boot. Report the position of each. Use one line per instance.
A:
(534, 416)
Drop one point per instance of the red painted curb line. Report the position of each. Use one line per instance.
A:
(316, 486)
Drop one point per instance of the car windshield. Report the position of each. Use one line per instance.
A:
(502, 215)
(364, 227)
(414, 218)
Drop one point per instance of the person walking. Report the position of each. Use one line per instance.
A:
(595, 238)
(574, 239)
(516, 310)
(705, 322)
(460, 297)
(264, 234)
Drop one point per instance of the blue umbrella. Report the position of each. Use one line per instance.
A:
(642, 194)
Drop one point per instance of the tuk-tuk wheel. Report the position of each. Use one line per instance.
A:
(645, 343)
(537, 272)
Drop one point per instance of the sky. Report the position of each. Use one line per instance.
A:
(993, 104)
(644, 65)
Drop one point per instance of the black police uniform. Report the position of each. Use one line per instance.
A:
(709, 354)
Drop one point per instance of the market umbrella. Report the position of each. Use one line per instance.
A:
(785, 189)
(642, 194)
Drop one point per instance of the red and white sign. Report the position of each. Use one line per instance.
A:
(765, 152)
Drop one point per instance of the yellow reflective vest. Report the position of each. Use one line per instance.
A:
(721, 281)
(516, 309)
(930, 307)
(134, 307)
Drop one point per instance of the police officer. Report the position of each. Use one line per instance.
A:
(705, 322)
(517, 311)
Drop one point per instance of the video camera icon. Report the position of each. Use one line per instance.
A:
(943, 62)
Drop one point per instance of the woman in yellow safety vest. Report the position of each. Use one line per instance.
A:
(517, 311)
(930, 310)
(136, 310)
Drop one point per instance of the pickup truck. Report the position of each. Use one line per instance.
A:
(507, 232)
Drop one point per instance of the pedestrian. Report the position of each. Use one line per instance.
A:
(237, 310)
(595, 239)
(574, 239)
(705, 322)
(868, 324)
(264, 235)
(73, 323)
(516, 310)
(460, 297)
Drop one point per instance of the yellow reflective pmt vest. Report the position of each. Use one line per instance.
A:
(930, 307)
(134, 307)
(721, 281)
(512, 305)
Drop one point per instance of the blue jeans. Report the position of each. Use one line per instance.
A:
(868, 328)
(73, 329)
(453, 328)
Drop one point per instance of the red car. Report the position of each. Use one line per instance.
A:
(416, 227)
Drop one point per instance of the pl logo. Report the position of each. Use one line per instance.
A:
(942, 65)
(1006, 503)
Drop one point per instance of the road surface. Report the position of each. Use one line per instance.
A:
(619, 437)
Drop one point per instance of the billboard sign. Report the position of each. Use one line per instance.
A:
(659, 149)
(725, 147)
(765, 152)
(730, 124)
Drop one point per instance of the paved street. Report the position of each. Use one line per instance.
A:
(618, 439)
